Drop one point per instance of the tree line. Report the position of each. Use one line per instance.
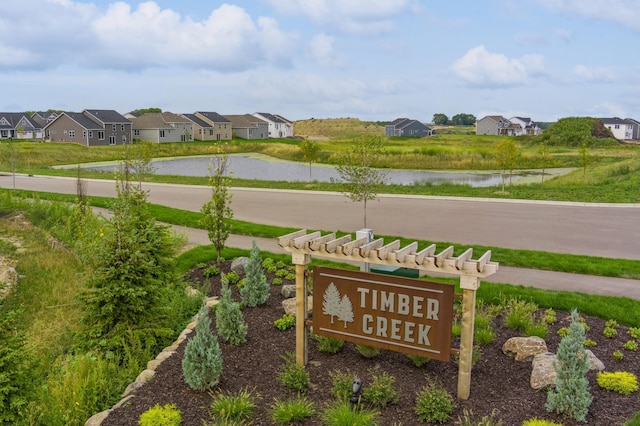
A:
(461, 119)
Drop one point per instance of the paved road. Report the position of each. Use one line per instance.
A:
(607, 230)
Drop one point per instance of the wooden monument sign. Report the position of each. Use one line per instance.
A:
(395, 313)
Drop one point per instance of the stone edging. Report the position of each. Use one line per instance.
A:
(150, 371)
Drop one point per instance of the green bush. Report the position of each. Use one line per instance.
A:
(610, 332)
(342, 385)
(256, 289)
(211, 271)
(229, 320)
(328, 345)
(634, 421)
(202, 362)
(232, 278)
(550, 316)
(14, 376)
(281, 273)
(634, 332)
(433, 403)
(285, 322)
(291, 410)
(368, 351)
(589, 343)
(418, 360)
(563, 331)
(468, 419)
(484, 336)
(380, 391)
(617, 355)
(535, 328)
(165, 415)
(630, 345)
(293, 375)
(519, 314)
(343, 414)
(456, 329)
(540, 422)
(621, 382)
(276, 281)
(229, 407)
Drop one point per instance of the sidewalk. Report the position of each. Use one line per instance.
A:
(548, 280)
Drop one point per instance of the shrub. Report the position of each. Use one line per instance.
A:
(276, 281)
(630, 345)
(467, 419)
(202, 362)
(165, 415)
(540, 422)
(280, 264)
(418, 360)
(290, 276)
(380, 391)
(342, 385)
(14, 376)
(211, 271)
(232, 277)
(484, 336)
(611, 323)
(456, 329)
(343, 413)
(433, 403)
(229, 320)
(328, 345)
(610, 332)
(285, 322)
(519, 314)
(536, 328)
(549, 316)
(563, 331)
(634, 332)
(589, 343)
(255, 290)
(229, 407)
(571, 394)
(292, 375)
(368, 351)
(617, 355)
(281, 273)
(291, 410)
(621, 382)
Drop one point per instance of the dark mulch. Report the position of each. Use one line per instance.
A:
(497, 382)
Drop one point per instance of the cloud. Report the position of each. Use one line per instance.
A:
(322, 51)
(363, 17)
(481, 68)
(623, 12)
(594, 75)
(607, 109)
(122, 38)
(564, 35)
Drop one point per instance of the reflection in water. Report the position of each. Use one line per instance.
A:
(249, 167)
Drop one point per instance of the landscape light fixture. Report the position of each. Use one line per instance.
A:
(355, 389)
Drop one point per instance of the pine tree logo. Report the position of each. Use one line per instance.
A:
(335, 305)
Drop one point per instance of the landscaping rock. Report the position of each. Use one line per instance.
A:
(289, 305)
(543, 372)
(239, 264)
(97, 419)
(288, 291)
(524, 348)
(594, 362)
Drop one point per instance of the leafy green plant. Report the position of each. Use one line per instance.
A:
(589, 343)
(233, 407)
(456, 329)
(255, 290)
(433, 403)
(232, 277)
(14, 359)
(290, 276)
(380, 391)
(211, 271)
(571, 393)
(161, 415)
(634, 332)
(285, 322)
(621, 382)
(368, 351)
(468, 419)
(229, 320)
(630, 345)
(281, 273)
(483, 333)
(329, 345)
(276, 281)
(537, 328)
(540, 422)
(519, 314)
(291, 410)
(202, 362)
(293, 375)
(343, 414)
(611, 323)
(617, 355)
(563, 331)
(418, 360)
(550, 316)
(216, 212)
(610, 332)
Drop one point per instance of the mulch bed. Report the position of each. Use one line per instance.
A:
(498, 384)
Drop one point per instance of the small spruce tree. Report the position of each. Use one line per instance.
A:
(229, 321)
(571, 394)
(256, 288)
(202, 362)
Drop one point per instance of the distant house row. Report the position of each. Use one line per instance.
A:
(93, 127)
(407, 127)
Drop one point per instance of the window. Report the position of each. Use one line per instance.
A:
(122, 127)
(124, 139)
(72, 134)
(91, 133)
(162, 133)
(65, 132)
(112, 140)
(100, 135)
(617, 126)
(113, 127)
(136, 132)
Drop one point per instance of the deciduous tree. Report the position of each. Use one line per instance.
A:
(309, 152)
(217, 211)
(440, 119)
(507, 153)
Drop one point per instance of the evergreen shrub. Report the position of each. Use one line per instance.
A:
(256, 289)
(229, 320)
(202, 362)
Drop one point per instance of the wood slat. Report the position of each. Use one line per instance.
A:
(318, 242)
(383, 251)
(402, 253)
(302, 241)
(332, 246)
(442, 256)
(366, 249)
(284, 240)
(463, 258)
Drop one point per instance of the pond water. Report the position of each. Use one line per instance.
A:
(261, 167)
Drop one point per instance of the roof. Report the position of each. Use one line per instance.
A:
(495, 118)
(271, 117)
(196, 120)
(157, 120)
(107, 115)
(214, 117)
(614, 120)
(14, 119)
(79, 118)
(245, 120)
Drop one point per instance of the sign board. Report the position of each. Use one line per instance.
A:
(395, 313)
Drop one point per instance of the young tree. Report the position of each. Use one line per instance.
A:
(255, 290)
(140, 156)
(217, 211)
(585, 158)
(507, 155)
(309, 152)
(202, 362)
(545, 157)
(229, 321)
(356, 171)
(571, 393)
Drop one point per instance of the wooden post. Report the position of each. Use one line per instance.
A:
(302, 333)
(469, 285)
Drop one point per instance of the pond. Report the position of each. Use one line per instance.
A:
(262, 167)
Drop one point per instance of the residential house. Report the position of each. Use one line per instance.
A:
(220, 127)
(44, 117)
(279, 127)
(91, 127)
(622, 129)
(202, 130)
(248, 126)
(635, 124)
(162, 127)
(527, 126)
(497, 125)
(407, 127)
(19, 125)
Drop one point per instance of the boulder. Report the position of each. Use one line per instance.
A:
(543, 372)
(288, 290)
(594, 362)
(524, 348)
(97, 419)
(289, 305)
(239, 264)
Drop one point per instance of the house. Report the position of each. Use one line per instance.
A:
(219, 127)
(527, 126)
(407, 127)
(248, 126)
(91, 127)
(622, 129)
(202, 130)
(497, 125)
(43, 118)
(19, 125)
(636, 128)
(279, 127)
(162, 127)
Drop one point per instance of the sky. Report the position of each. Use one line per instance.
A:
(376, 60)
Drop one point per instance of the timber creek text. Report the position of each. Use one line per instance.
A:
(401, 305)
